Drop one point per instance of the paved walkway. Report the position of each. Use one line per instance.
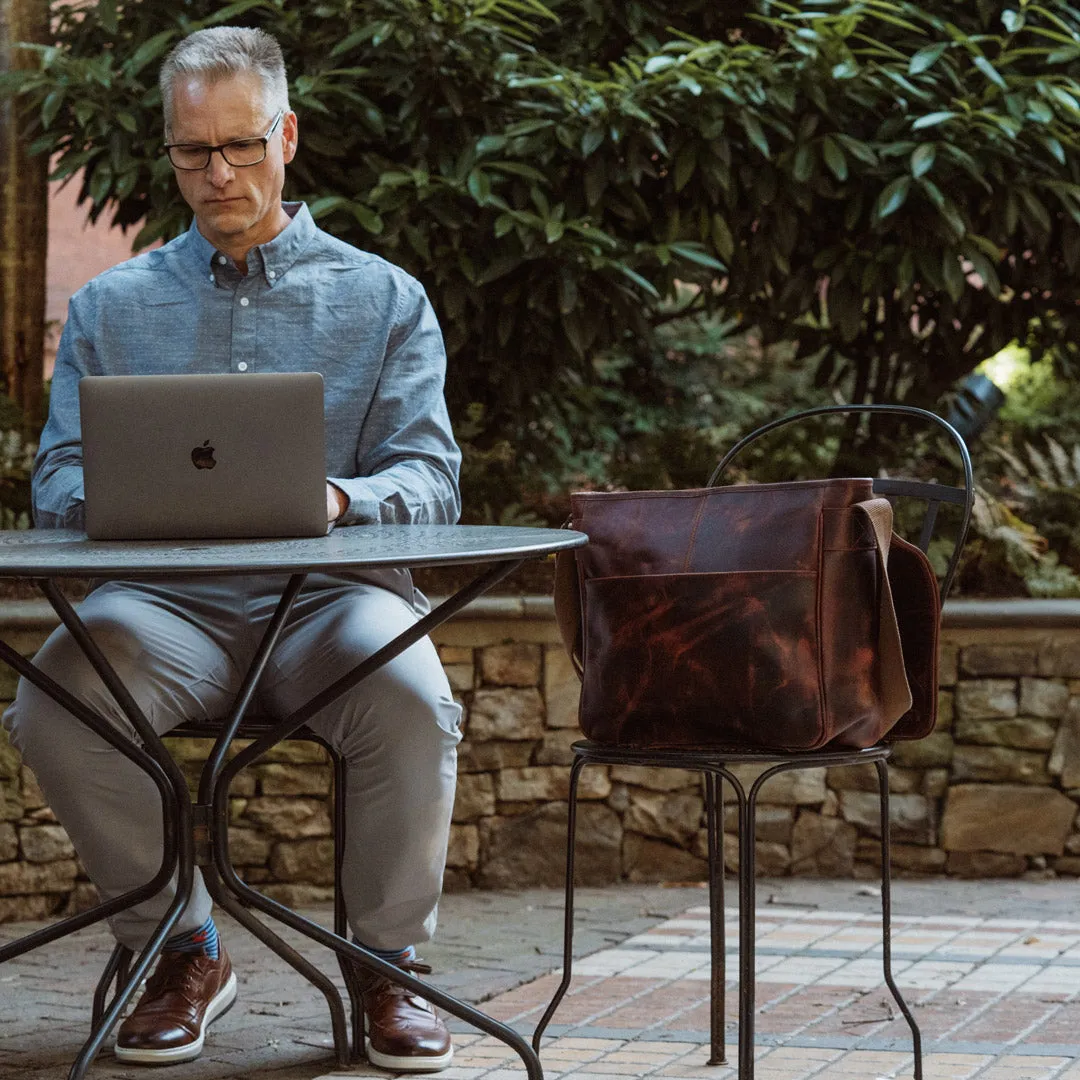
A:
(991, 970)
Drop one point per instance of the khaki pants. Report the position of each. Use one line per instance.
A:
(182, 649)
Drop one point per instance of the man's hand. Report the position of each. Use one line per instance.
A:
(336, 502)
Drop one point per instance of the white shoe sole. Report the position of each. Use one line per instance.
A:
(220, 1004)
(413, 1063)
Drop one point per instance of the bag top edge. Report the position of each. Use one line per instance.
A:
(690, 492)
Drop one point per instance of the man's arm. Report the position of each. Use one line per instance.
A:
(57, 481)
(406, 461)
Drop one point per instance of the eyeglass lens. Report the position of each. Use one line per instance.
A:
(245, 152)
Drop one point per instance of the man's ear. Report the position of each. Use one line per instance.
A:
(290, 136)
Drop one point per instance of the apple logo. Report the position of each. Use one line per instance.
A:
(202, 457)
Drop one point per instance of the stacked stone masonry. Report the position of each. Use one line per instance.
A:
(994, 791)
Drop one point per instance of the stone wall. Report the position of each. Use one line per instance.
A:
(993, 792)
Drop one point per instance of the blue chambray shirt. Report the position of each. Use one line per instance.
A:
(309, 302)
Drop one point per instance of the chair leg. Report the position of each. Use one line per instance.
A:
(886, 918)
(568, 909)
(714, 805)
(341, 922)
(747, 926)
(115, 969)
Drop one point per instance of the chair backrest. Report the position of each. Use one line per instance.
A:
(931, 495)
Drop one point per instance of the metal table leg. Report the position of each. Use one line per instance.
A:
(177, 855)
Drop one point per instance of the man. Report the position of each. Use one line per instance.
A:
(254, 285)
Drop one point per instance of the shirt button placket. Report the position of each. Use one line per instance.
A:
(244, 326)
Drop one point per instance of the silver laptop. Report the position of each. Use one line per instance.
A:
(200, 456)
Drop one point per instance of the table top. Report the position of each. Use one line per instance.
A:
(54, 553)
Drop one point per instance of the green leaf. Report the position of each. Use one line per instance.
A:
(927, 57)
(803, 164)
(722, 239)
(695, 254)
(553, 231)
(834, 157)
(990, 72)
(100, 183)
(151, 49)
(489, 143)
(50, 107)
(1035, 208)
(858, 149)
(106, 13)
(1055, 148)
(752, 127)
(568, 293)
(953, 275)
(1012, 20)
(1039, 111)
(368, 219)
(479, 185)
(932, 120)
(592, 140)
(922, 160)
(685, 163)
(656, 64)
(321, 207)
(893, 197)
(637, 279)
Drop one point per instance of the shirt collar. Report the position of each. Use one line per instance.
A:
(271, 259)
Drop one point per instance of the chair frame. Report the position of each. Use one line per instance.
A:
(714, 764)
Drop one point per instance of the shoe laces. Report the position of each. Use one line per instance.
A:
(176, 973)
(371, 981)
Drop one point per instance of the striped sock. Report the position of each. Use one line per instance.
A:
(202, 941)
(391, 956)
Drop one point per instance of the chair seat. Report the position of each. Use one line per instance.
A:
(251, 728)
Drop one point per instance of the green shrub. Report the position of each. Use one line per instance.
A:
(646, 226)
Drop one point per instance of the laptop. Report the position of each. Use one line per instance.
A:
(203, 456)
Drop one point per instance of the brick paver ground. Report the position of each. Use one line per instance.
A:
(991, 970)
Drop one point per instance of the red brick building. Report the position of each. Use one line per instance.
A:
(77, 252)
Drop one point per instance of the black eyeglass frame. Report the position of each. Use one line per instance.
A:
(220, 149)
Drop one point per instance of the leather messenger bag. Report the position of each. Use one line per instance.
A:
(780, 616)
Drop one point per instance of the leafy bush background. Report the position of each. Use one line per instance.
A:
(646, 226)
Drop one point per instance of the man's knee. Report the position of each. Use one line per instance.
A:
(406, 706)
(35, 717)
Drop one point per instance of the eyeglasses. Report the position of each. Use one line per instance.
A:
(191, 157)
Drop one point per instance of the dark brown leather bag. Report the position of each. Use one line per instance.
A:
(757, 615)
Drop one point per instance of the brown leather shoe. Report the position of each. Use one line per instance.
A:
(183, 997)
(403, 1031)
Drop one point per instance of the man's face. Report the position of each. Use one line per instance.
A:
(236, 208)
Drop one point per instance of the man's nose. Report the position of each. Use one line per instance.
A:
(218, 169)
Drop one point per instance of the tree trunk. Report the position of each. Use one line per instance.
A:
(23, 226)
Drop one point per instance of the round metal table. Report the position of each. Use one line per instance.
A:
(196, 833)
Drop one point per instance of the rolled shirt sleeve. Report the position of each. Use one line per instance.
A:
(57, 479)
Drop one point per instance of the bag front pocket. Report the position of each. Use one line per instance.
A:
(702, 659)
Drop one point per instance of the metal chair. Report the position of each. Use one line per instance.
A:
(714, 764)
(118, 965)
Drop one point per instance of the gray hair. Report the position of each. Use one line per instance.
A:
(220, 52)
